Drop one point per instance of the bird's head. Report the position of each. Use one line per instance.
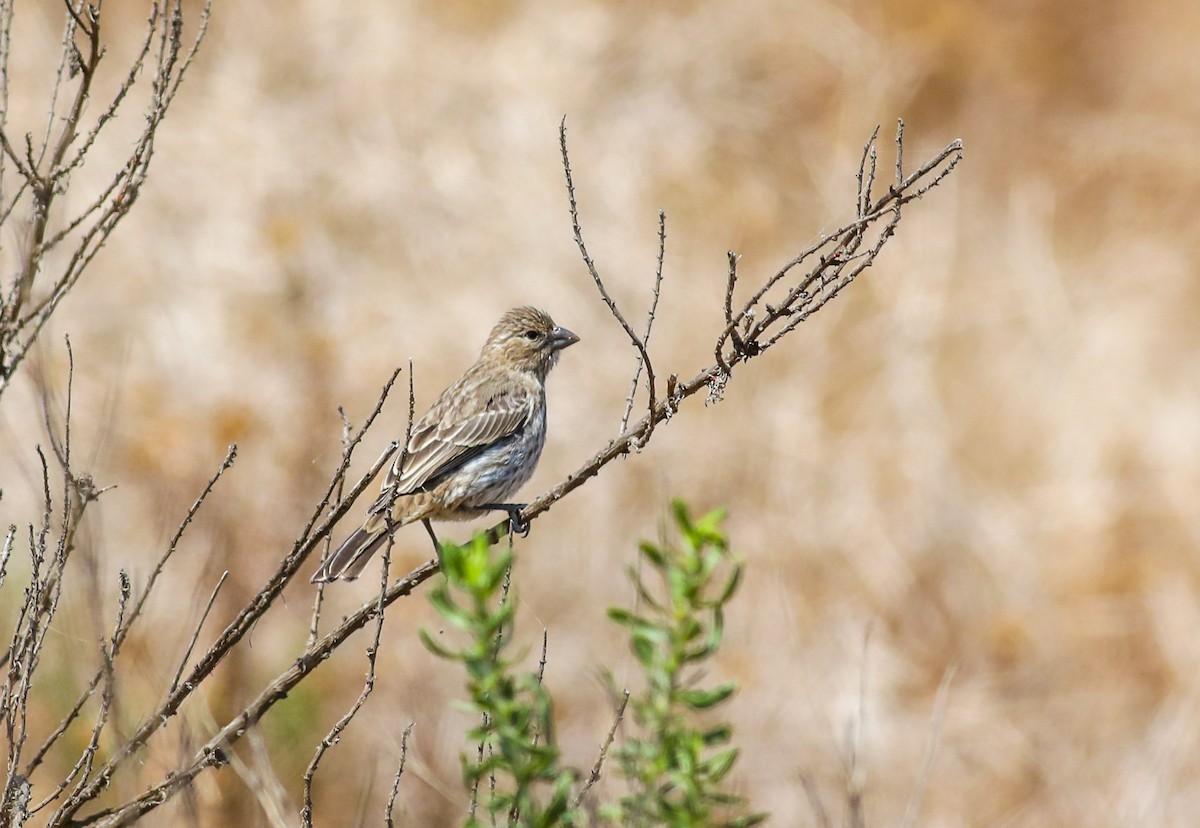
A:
(528, 340)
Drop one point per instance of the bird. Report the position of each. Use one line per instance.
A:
(476, 446)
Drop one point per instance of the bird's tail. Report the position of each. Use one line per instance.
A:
(351, 557)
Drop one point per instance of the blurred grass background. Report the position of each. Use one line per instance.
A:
(986, 453)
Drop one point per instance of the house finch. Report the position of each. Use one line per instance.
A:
(477, 444)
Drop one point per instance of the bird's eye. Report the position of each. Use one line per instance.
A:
(532, 335)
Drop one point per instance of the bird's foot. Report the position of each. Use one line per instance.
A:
(515, 524)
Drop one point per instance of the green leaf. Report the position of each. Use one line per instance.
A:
(735, 580)
(624, 617)
(644, 650)
(717, 735)
(705, 699)
(653, 554)
(718, 765)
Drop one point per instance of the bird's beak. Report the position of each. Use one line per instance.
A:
(561, 338)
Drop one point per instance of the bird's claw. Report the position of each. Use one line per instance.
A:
(513, 510)
(515, 524)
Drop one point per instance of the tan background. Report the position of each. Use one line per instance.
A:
(986, 453)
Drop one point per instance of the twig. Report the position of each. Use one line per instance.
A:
(594, 776)
(246, 619)
(6, 551)
(866, 180)
(591, 267)
(314, 621)
(135, 69)
(45, 173)
(41, 603)
(123, 631)
(541, 674)
(391, 801)
(83, 767)
(730, 324)
(335, 732)
(187, 653)
(928, 176)
(658, 276)
(214, 752)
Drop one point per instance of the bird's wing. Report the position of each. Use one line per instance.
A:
(441, 442)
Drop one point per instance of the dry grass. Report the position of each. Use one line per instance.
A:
(986, 453)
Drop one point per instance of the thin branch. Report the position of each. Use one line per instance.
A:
(83, 767)
(345, 464)
(249, 614)
(44, 190)
(766, 318)
(591, 267)
(187, 653)
(335, 733)
(123, 631)
(214, 752)
(135, 69)
(713, 378)
(68, 55)
(22, 318)
(731, 323)
(391, 801)
(866, 173)
(658, 276)
(7, 211)
(6, 551)
(594, 776)
(6, 16)
(42, 597)
(856, 781)
(314, 621)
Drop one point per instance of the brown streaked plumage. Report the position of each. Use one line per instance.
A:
(478, 443)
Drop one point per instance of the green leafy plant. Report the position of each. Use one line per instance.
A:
(517, 756)
(673, 766)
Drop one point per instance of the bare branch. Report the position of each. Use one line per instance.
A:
(6, 18)
(83, 767)
(594, 776)
(35, 294)
(832, 262)
(6, 551)
(730, 331)
(123, 631)
(831, 272)
(214, 752)
(187, 653)
(246, 618)
(335, 732)
(135, 69)
(314, 621)
(638, 344)
(391, 802)
(658, 276)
